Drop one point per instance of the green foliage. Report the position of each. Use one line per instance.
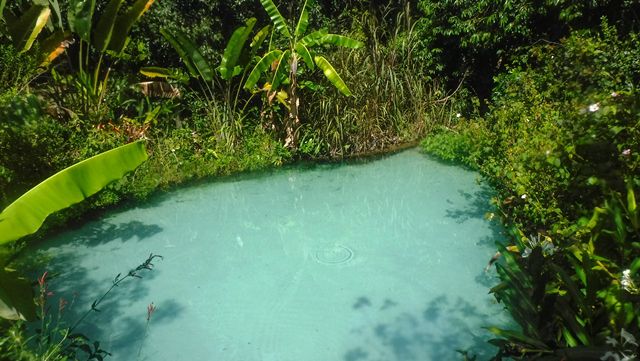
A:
(563, 157)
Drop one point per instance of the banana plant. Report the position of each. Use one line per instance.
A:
(300, 46)
(235, 60)
(65, 188)
(24, 29)
(109, 35)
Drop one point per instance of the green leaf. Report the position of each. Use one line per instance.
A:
(157, 72)
(67, 187)
(340, 40)
(26, 28)
(263, 65)
(234, 49)
(313, 39)
(577, 296)
(104, 29)
(280, 73)
(259, 38)
(277, 19)
(332, 75)
(56, 11)
(305, 54)
(303, 22)
(632, 206)
(517, 337)
(16, 297)
(125, 22)
(196, 64)
(80, 17)
(2, 5)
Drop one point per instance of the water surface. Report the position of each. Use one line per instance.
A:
(371, 261)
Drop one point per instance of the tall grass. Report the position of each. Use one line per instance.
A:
(391, 103)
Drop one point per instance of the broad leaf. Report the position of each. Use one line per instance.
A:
(67, 187)
(80, 17)
(27, 27)
(305, 54)
(332, 75)
(263, 65)
(104, 29)
(157, 72)
(259, 38)
(303, 22)
(124, 23)
(196, 64)
(234, 49)
(313, 39)
(277, 19)
(16, 297)
(280, 73)
(340, 40)
(2, 4)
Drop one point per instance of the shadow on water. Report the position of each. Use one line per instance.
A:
(434, 332)
(70, 280)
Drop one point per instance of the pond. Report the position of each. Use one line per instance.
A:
(377, 260)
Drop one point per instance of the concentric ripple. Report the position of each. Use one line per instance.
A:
(335, 254)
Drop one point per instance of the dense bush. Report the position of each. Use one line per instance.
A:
(560, 145)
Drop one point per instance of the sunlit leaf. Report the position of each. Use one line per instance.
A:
(196, 64)
(305, 55)
(26, 214)
(27, 27)
(277, 19)
(280, 72)
(303, 22)
(332, 75)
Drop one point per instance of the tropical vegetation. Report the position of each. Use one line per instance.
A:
(112, 100)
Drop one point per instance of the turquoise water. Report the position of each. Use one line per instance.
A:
(371, 261)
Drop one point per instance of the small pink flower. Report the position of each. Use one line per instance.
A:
(626, 152)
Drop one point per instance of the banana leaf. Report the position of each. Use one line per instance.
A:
(340, 40)
(55, 6)
(332, 75)
(234, 49)
(2, 5)
(67, 187)
(26, 28)
(104, 29)
(262, 66)
(305, 54)
(124, 23)
(16, 297)
(303, 22)
(80, 17)
(277, 19)
(158, 72)
(196, 64)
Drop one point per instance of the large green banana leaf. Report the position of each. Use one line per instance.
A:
(26, 28)
(340, 40)
(234, 49)
(332, 75)
(303, 22)
(196, 64)
(80, 17)
(261, 67)
(124, 23)
(16, 297)
(277, 19)
(104, 29)
(67, 187)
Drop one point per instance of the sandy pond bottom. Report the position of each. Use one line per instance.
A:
(380, 260)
